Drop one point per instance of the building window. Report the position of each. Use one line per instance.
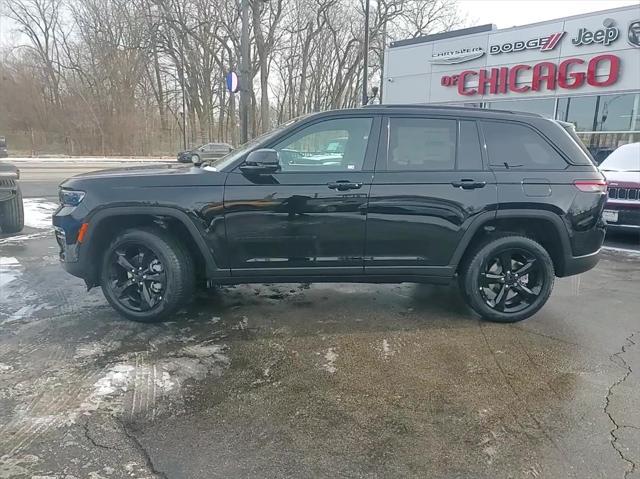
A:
(542, 106)
(618, 113)
(579, 110)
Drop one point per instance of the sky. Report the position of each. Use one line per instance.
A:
(503, 13)
(509, 13)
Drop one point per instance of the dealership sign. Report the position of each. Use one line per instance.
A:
(544, 44)
(569, 74)
(633, 35)
(459, 55)
(604, 36)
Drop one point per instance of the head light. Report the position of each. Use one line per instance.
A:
(70, 197)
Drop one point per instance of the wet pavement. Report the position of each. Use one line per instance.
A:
(316, 380)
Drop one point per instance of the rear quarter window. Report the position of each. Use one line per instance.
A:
(513, 145)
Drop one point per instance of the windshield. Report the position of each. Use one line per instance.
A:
(625, 158)
(221, 163)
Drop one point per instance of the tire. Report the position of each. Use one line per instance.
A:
(12, 214)
(195, 159)
(143, 300)
(496, 284)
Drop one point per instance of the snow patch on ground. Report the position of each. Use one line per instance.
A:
(133, 386)
(21, 238)
(330, 357)
(10, 270)
(38, 212)
(95, 348)
(25, 312)
(387, 352)
(16, 466)
(117, 379)
(613, 249)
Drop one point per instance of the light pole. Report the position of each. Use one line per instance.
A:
(244, 73)
(365, 54)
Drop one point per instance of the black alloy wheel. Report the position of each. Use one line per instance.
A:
(511, 281)
(136, 277)
(508, 278)
(147, 274)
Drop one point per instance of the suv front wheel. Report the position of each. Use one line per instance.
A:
(508, 279)
(147, 274)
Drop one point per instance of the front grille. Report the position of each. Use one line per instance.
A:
(6, 182)
(632, 194)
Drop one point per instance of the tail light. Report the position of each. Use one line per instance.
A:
(591, 186)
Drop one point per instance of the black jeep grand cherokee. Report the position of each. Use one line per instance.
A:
(502, 201)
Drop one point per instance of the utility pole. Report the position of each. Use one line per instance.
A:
(244, 73)
(184, 99)
(365, 54)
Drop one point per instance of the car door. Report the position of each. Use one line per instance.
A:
(430, 184)
(206, 152)
(309, 217)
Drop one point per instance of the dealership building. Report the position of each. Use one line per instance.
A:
(584, 69)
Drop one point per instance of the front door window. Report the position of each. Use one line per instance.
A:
(327, 146)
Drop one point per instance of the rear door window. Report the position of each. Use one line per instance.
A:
(421, 144)
(512, 145)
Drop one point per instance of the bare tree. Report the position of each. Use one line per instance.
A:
(111, 76)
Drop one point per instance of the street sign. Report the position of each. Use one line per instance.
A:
(232, 82)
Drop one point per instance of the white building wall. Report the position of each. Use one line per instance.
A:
(411, 78)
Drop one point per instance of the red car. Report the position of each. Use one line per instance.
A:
(622, 170)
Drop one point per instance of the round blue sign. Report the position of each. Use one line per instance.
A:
(232, 82)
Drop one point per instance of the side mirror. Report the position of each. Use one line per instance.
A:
(261, 162)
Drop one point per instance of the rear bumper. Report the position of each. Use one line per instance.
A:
(579, 264)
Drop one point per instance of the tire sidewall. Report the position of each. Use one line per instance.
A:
(471, 284)
(174, 276)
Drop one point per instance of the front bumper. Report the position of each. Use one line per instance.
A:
(67, 221)
(628, 216)
(8, 187)
(7, 194)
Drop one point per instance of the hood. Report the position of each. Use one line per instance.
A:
(7, 169)
(625, 179)
(147, 176)
(146, 170)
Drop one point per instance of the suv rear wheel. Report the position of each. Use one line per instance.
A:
(508, 279)
(12, 214)
(147, 274)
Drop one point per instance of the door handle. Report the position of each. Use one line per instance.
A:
(344, 185)
(467, 184)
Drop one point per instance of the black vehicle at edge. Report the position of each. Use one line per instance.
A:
(501, 201)
(11, 207)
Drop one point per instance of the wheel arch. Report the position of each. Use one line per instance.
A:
(545, 227)
(106, 222)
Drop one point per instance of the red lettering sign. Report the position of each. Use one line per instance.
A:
(569, 74)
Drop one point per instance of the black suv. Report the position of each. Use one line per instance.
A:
(502, 201)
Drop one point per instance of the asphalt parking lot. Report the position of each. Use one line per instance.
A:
(300, 380)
